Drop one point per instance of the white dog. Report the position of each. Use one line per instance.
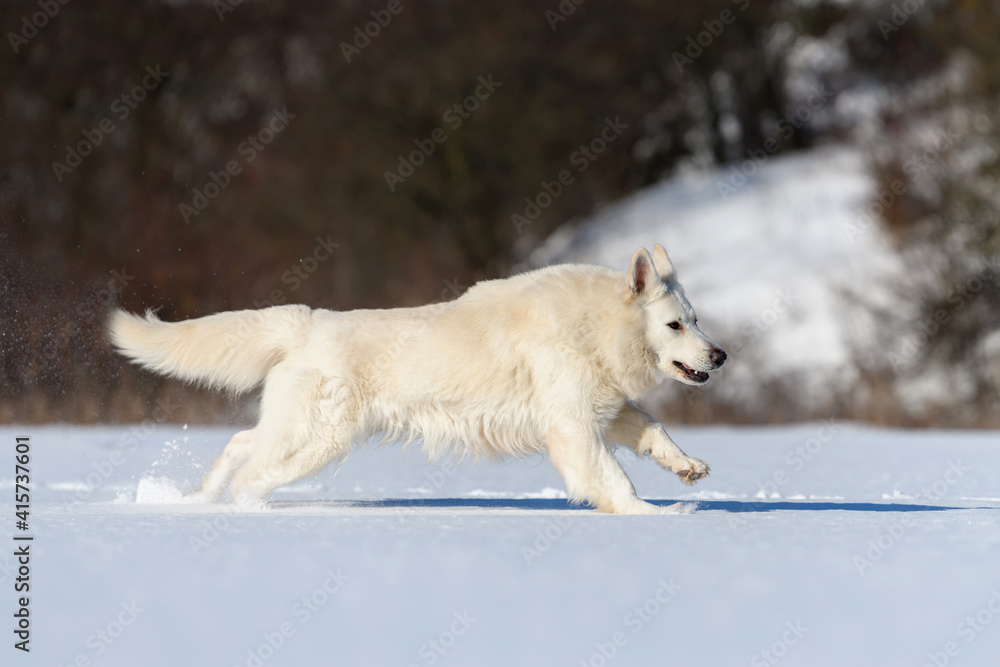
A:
(547, 360)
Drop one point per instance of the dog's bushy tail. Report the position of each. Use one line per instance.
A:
(233, 350)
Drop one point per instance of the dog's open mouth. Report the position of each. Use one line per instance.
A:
(692, 374)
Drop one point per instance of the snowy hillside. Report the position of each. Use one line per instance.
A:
(768, 260)
(814, 545)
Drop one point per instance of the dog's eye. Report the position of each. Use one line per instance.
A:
(675, 325)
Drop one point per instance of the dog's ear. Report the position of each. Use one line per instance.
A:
(641, 273)
(663, 264)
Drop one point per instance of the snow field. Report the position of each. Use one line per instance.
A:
(818, 544)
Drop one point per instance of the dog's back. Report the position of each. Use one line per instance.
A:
(478, 373)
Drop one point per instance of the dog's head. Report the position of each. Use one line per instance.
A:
(681, 351)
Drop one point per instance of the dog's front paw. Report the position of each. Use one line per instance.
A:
(691, 470)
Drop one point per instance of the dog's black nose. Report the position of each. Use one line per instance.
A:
(717, 356)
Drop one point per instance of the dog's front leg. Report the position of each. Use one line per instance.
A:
(640, 432)
(591, 471)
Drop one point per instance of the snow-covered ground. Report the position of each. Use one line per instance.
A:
(819, 544)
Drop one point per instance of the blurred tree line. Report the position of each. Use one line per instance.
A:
(203, 156)
(935, 147)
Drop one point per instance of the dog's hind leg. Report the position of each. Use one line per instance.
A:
(259, 477)
(233, 456)
(640, 432)
(307, 421)
(591, 471)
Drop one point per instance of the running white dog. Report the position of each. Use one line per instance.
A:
(548, 360)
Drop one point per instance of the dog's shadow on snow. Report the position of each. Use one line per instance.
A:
(813, 506)
(556, 504)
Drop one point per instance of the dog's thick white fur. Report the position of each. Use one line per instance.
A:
(547, 360)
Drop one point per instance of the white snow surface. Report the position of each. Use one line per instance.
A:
(818, 544)
(769, 261)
